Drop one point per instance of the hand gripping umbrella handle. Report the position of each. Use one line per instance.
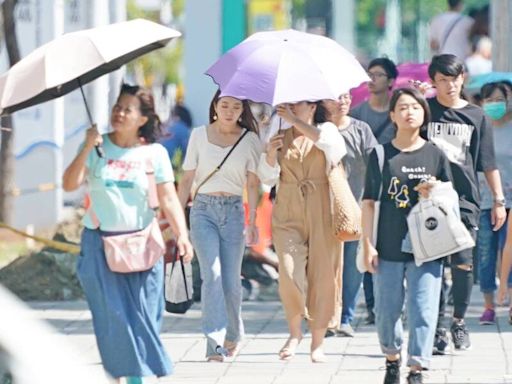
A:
(99, 149)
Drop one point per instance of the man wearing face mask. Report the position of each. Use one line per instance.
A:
(495, 102)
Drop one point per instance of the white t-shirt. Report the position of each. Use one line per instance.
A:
(203, 156)
(457, 41)
(478, 65)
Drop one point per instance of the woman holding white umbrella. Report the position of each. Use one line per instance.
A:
(309, 255)
(126, 307)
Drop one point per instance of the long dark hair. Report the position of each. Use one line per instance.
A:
(248, 121)
(321, 115)
(418, 96)
(152, 129)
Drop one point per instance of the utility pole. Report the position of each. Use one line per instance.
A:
(343, 23)
(501, 30)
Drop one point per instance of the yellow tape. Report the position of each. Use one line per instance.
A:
(59, 245)
(44, 187)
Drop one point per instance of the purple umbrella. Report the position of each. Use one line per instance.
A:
(286, 66)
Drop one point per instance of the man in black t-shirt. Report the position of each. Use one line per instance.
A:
(465, 135)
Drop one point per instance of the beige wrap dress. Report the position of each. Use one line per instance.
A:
(310, 259)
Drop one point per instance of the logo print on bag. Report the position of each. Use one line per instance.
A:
(431, 223)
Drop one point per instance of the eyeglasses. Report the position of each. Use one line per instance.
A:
(376, 75)
(345, 97)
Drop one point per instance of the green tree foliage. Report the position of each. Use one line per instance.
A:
(163, 64)
(370, 19)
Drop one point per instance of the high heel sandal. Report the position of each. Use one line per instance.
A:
(215, 359)
(232, 348)
(288, 350)
(318, 356)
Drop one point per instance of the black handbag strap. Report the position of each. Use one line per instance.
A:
(217, 169)
(178, 259)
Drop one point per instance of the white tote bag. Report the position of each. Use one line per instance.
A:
(361, 266)
(435, 227)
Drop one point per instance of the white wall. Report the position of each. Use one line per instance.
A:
(47, 136)
(39, 131)
(203, 46)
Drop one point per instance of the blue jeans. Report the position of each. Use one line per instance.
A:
(351, 281)
(368, 291)
(217, 234)
(423, 290)
(488, 244)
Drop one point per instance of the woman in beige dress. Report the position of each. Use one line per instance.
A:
(298, 161)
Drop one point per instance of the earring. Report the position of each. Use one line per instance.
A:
(215, 117)
(240, 119)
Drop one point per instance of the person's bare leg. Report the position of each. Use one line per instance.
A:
(489, 300)
(394, 357)
(317, 340)
(288, 350)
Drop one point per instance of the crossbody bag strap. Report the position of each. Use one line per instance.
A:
(449, 31)
(217, 169)
(152, 192)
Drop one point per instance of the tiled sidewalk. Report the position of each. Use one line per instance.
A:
(350, 360)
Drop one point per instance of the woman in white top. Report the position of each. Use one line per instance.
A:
(309, 255)
(217, 215)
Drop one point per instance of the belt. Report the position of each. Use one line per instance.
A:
(305, 186)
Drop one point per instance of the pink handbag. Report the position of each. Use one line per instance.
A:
(140, 250)
(136, 251)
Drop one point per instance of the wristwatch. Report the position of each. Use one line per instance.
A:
(500, 202)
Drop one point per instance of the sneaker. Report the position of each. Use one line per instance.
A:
(370, 319)
(460, 335)
(441, 341)
(488, 317)
(346, 330)
(392, 372)
(414, 378)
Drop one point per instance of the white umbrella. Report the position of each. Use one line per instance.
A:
(76, 58)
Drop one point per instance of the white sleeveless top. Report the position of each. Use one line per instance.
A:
(203, 156)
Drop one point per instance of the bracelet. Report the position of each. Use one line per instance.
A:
(500, 202)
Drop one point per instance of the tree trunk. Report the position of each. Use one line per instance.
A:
(7, 146)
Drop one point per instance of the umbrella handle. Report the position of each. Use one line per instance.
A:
(99, 149)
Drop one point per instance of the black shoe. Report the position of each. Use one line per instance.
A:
(392, 372)
(440, 342)
(414, 378)
(370, 319)
(460, 335)
(330, 332)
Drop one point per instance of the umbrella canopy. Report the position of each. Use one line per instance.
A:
(76, 58)
(406, 71)
(478, 81)
(286, 66)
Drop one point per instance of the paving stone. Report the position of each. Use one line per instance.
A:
(350, 360)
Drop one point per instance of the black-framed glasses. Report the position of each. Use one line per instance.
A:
(376, 75)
